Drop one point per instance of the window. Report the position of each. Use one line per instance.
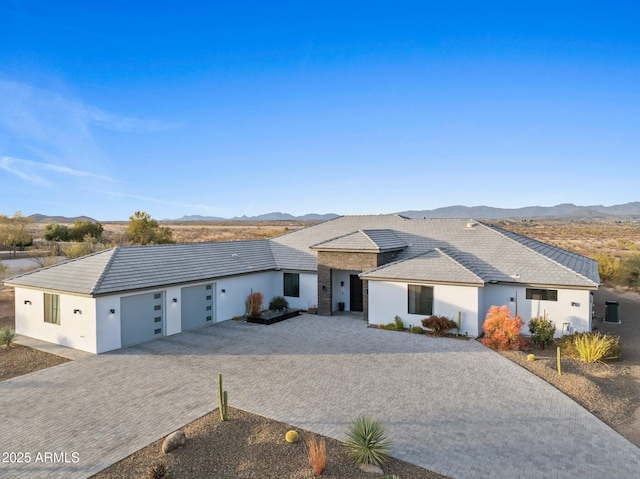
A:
(52, 308)
(542, 294)
(420, 299)
(292, 285)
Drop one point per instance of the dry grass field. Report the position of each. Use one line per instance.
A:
(586, 237)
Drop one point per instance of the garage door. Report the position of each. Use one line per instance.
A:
(141, 318)
(197, 306)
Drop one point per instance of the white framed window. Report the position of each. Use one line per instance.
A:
(52, 308)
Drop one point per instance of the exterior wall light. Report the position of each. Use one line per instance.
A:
(77, 311)
(223, 291)
(26, 301)
(112, 311)
(175, 300)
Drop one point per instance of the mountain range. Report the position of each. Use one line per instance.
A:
(563, 211)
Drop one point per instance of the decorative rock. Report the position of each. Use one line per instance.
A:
(371, 469)
(174, 441)
(531, 357)
(291, 436)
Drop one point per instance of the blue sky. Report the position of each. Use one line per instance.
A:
(243, 108)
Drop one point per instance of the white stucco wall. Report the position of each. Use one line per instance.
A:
(76, 330)
(388, 299)
(308, 290)
(341, 293)
(236, 290)
(573, 306)
(108, 324)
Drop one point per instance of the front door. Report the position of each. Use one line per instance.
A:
(355, 292)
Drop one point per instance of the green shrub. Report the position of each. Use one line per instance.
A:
(399, 323)
(542, 331)
(416, 330)
(439, 324)
(391, 327)
(7, 336)
(367, 441)
(391, 476)
(278, 302)
(593, 347)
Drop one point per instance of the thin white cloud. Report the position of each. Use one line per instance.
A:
(158, 200)
(28, 170)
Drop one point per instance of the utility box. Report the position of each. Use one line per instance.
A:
(612, 312)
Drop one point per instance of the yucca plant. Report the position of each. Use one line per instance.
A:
(317, 450)
(7, 336)
(367, 441)
(595, 346)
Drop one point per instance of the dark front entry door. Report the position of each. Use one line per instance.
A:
(355, 293)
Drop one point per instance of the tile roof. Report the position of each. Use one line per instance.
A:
(436, 266)
(364, 240)
(128, 268)
(449, 250)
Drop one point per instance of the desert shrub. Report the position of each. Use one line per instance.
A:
(542, 331)
(7, 336)
(367, 441)
(391, 476)
(381, 326)
(317, 451)
(254, 304)
(391, 327)
(439, 324)
(608, 266)
(157, 472)
(77, 250)
(592, 347)
(416, 330)
(630, 271)
(278, 302)
(501, 330)
(399, 323)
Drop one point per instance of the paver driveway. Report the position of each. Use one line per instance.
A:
(451, 406)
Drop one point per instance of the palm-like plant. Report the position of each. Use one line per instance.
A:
(7, 336)
(367, 441)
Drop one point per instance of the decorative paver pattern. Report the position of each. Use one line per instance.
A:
(451, 406)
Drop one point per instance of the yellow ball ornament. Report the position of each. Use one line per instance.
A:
(531, 357)
(291, 436)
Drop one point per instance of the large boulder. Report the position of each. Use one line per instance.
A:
(174, 441)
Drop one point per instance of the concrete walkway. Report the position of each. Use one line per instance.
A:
(451, 406)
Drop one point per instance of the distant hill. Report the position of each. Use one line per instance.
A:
(38, 218)
(567, 210)
(277, 216)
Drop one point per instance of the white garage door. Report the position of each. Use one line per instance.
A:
(197, 308)
(141, 318)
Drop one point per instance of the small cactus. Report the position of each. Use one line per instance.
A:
(223, 404)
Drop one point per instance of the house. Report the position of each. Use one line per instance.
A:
(380, 265)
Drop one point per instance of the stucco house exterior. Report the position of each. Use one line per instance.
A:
(380, 265)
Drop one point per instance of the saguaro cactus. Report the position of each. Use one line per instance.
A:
(223, 404)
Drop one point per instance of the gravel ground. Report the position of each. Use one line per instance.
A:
(247, 446)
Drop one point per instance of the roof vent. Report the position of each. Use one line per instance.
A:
(471, 224)
(234, 255)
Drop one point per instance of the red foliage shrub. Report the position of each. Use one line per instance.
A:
(502, 331)
(439, 324)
